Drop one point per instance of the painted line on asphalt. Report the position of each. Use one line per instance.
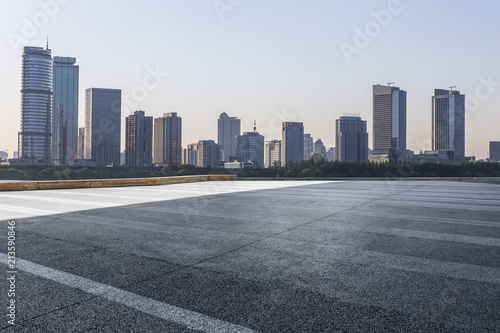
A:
(190, 319)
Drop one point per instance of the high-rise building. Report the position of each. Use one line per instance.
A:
(308, 145)
(331, 154)
(250, 148)
(168, 139)
(495, 151)
(80, 155)
(191, 154)
(208, 154)
(319, 148)
(272, 154)
(65, 110)
(448, 122)
(352, 139)
(292, 142)
(139, 140)
(389, 120)
(103, 126)
(34, 141)
(227, 130)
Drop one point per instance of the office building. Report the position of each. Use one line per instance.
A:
(168, 140)
(308, 145)
(80, 154)
(319, 148)
(389, 121)
(103, 126)
(208, 154)
(352, 139)
(495, 151)
(227, 130)
(34, 139)
(292, 142)
(139, 140)
(250, 148)
(191, 154)
(64, 110)
(272, 154)
(448, 122)
(331, 154)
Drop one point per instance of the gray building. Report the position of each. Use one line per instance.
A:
(168, 139)
(139, 140)
(80, 154)
(227, 130)
(319, 148)
(191, 154)
(352, 139)
(34, 139)
(389, 120)
(448, 122)
(208, 154)
(103, 126)
(65, 110)
(331, 154)
(250, 147)
(308, 145)
(292, 142)
(495, 151)
(272, 153)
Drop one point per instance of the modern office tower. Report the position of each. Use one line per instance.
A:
(352, 139)
(319, 148)
(34, 140)
(448, 122)
(250, 148)
(64, 110)
(495, 151)
(168, 139)
(331, 154)
(389, 120)
(80, 154)
(3, 155)
(227, 130)
(103, 126)
(308, 145)
(292, 142)
(191, 154)
(139, 140)
(272, 154)
(208, 154)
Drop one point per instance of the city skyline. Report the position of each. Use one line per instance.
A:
(295, 88)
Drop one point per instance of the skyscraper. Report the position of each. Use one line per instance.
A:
(34, 141)
(208, 154)
(250, 147)
(168, 140)
(139, 140)
(352, 139)
(272, 153)
(308, 145)
(495, 151)
(319, 148)
(227, 130)
(292, 143)
(389, 120)
(191, 154)
(65, 110)
(80, 155)
(448, 122)
(103, 126)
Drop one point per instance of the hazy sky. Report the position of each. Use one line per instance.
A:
(268, 60)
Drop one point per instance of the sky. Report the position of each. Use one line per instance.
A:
(265, 60)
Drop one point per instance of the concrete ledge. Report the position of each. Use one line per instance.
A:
(465, 179)
(95, 183)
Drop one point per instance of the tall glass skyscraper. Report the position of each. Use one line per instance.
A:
(352, 139)
(139, 140)
(65, 111)
(292, 142)
(34, 141)
(227, 130)
(250, 147)
(168, 139)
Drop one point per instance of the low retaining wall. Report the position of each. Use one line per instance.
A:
(95, 183)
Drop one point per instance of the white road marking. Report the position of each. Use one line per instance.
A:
(190, 319)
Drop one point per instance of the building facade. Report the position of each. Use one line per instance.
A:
(227, 130)
(139, 140)
(80, 154)
(495, 151)
(35, 136)
(65, 110)
(448, 122)
(319, 148)
(168, 139)
(191, 154)
(103, 126)
(352, 139)
(331, 154)
(292, 142)
(272, 154)
(308, 145)
(208, 154)
(250, 147)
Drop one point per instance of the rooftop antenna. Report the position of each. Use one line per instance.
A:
(255, 125)
(47, 42)
(390, 83)
(452, 87)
